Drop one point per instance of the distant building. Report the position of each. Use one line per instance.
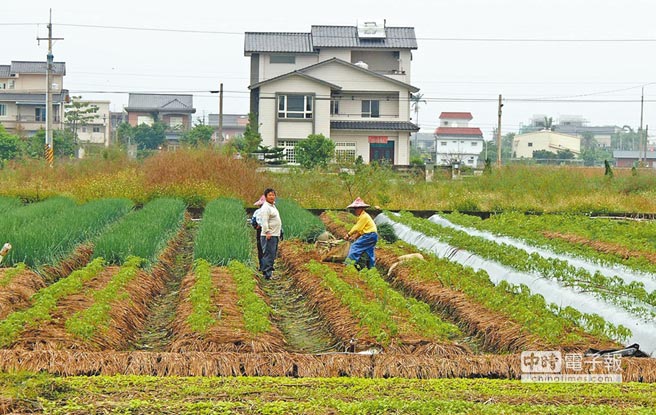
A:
(525, 144)
(233, 125)
(171, 109)
(23, 96)
(456, 141)
(630, 158)
(574, 125)
(96, 131)
(349, 83)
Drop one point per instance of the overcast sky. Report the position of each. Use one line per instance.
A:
(470, 51)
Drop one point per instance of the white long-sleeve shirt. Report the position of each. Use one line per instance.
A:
(270, 218)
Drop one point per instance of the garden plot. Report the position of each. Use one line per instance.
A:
(618, 322)
(499, 317)
(628, 275)
(364, 312)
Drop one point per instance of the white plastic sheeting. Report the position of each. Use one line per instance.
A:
(626, 274)
(643, 332)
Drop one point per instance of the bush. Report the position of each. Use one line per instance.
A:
(386, 232)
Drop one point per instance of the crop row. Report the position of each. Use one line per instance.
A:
(503, 317)
(633, 297)
(629, 243)
(298, 223)
(223, 234)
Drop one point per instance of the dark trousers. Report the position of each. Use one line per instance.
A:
(258, 233)
(269, 253)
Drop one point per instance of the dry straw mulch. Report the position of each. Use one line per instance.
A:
(71, 363)
(341, 322)
(229, 333)
(604, 247)
(76, 260)
(17, 293)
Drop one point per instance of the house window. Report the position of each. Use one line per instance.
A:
(175, 122)
(96, 129)
(442, 143)
(3, 110)
(334, 107)
(12, 84)
(84, 129)
(295, 106)
(474, 143)
(530, 144)
(282, 59)
(144, 119)
(370, 108)
(39, 114)
(290, 150)
(344, 152)
(3, 85)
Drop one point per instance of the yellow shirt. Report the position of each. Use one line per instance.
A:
(364, 225)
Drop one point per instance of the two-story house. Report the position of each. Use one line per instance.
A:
(97, 130)
(351, 84)
(23, 96)
(174, 110)
(233, 125)
(456, 141)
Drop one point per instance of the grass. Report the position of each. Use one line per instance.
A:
(143, 233)
(297, 222)
(266, 395)
(224, 234)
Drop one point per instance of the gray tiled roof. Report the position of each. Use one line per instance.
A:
(347, 37)
(374, 125)
(161, 102)
(31, 67)
(25, 97)
(633, 154)
(278, 42)
(327, 37)
(4, 71)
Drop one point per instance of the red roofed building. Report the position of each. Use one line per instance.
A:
(456, 141)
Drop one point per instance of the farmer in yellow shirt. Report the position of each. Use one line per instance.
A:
(364, 232)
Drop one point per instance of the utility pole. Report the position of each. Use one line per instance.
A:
(642, 106)
(499, 134)
(646, 142)
(49, 149)
(220, 136)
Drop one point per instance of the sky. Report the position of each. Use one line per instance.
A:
(555, 58)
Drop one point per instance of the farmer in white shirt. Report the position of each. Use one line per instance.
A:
(271, 226)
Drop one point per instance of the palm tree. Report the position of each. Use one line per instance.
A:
(416, 100)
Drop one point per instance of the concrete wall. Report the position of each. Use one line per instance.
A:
(525, 144)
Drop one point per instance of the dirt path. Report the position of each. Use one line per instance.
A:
(303, 328)
(156, 334)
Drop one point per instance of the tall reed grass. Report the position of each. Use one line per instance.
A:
(143, 233)
(224, 234)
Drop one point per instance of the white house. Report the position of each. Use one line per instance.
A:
(525, 144)
(96, 131)
(456, 141)
(351, 84)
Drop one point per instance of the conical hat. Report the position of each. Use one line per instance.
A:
(358, 203)
(261, 201)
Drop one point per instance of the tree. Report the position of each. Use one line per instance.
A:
(150, 137)
(544, 155)
(548, 123)
(200, 135)
(316, 150)
(252, 138)
(506, 147)
(63, 143)
(125, 133)
(10, 145)
(588, 141)
(79, 113)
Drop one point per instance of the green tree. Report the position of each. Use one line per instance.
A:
(150, 137)
(316, 150)
(506, 148)
(200, 135)
(79, 113)
(252, 138)
(10, 145)
(63, 144)
(125, 133)
(588, 141)
(544, 155)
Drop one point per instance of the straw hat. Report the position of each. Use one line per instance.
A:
(261, 201)
(358, 203)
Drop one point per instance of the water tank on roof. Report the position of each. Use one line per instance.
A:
(361, 64)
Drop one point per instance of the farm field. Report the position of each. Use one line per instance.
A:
(115, 305)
